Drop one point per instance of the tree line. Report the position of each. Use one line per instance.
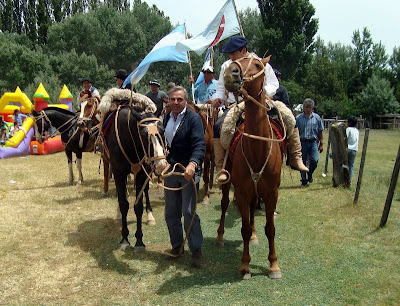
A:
(59, 41)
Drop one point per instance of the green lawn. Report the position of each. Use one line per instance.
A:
(58, 243)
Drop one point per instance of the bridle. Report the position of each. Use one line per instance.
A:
(44, 118)
(94, 104)
(152, 131)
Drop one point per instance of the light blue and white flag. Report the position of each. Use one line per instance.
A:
(164, 50)
(224, 25)
(207, 63)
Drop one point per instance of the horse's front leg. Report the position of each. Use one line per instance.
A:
(253, 238)
(106, 171)
(140, 180)
(270, 201)
(224, 207)
(79, 166)
(70, 167)
(120, 184)
(206, 179)
(242, 201)
(149, 211)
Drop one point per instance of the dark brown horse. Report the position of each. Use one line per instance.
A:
(135, 145)
(255, 165)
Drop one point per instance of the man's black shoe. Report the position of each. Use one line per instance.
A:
(196, 258)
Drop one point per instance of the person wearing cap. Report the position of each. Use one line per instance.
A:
(236, 47)
(282, 93)
(120, 76)
(157, 96)
(88, 91)
(204, 91)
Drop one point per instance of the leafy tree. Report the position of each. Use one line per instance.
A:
(43, 20)
(289, 30)
(20, 65)
(377, 98)
(394, 63)
(6, 13)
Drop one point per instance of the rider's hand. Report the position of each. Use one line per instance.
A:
(217, 102)
(189, 171)
(191, 80)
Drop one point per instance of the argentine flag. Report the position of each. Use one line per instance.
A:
(164, 50)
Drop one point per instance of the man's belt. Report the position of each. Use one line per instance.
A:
(307, 140)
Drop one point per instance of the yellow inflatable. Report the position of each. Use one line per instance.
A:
(17, 96)
(20, 135)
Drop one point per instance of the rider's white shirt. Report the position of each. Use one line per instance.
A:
(271, 83)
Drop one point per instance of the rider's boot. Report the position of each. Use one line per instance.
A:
(296, 161)
(219, 156)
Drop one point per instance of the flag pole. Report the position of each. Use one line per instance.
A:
(237, 15)
(190, 65)
(211, 56)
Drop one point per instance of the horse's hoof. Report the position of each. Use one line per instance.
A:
(123, 246)
(253, 241)
(244, 274)
(70, 183)
(219, 243)
(275, 274)
(104, 195)
(206, 202)
(151, 222)
(79, 183)
(139, 249)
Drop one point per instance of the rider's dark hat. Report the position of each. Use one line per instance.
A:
(86, 79)
(121, 74)
(154, 82)
(234, 43)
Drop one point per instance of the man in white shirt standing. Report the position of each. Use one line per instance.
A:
(352, 143)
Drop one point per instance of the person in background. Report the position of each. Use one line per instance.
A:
(170, 86)
(88, 91)
(310, 128)
(121, 76)
(204, 91)
(157, 96)
(3, 130)
(281, 93)
(352, 134)
(14, 129)
(18, 117)
(186, 145)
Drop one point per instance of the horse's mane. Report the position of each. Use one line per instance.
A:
(60, 110)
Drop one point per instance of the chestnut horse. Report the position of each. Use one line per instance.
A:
(255, 165)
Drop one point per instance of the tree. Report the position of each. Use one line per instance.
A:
(377, 98)
(288, 34)
(394, 63)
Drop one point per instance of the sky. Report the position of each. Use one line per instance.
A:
(338, 19)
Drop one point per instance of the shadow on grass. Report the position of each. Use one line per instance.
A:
(99, 238)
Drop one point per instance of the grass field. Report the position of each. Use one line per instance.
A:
(58, 243)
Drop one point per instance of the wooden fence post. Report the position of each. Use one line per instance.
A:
(341, 174)
(327, 153)
(360, 172)
(392, 187)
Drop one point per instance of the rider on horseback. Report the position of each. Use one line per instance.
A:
(236, 47)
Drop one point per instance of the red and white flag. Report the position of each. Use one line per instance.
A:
(224, 25)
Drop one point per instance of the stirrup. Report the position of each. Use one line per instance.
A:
(228, 175)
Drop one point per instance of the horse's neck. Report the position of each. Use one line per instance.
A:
(58, 119)
(256, 119)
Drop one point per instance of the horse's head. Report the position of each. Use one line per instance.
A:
(151, 132)
(246, 73)
(88, 114)
(42, 125)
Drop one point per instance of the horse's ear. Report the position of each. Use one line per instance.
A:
(266, 59)
(35, 113)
